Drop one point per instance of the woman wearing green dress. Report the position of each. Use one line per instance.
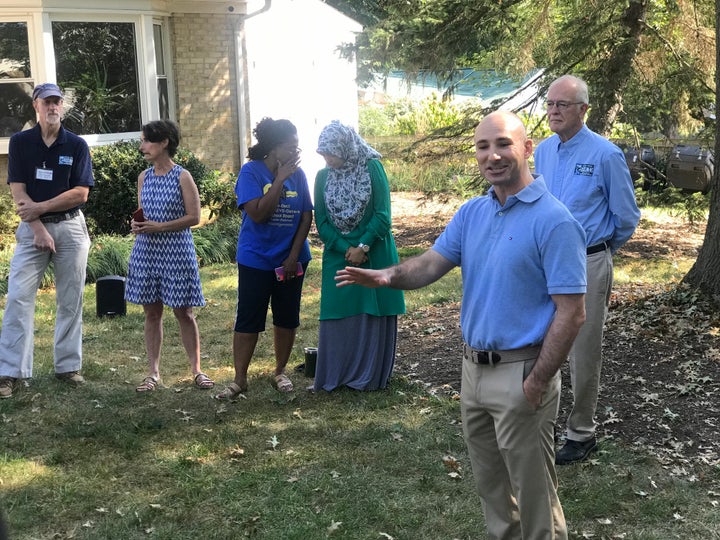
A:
(358, 326)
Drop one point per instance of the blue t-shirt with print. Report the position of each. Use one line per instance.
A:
(266, 245)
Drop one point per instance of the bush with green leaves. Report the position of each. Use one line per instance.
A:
(8, 218)
(116, 168)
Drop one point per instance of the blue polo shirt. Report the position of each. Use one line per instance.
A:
(513, 257)
(590, 176)
(266, 245)
(48, 171)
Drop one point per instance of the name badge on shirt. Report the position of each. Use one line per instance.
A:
(65, 160)
(43, 174)
(584, 169)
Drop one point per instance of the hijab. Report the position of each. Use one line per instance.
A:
(348, 189)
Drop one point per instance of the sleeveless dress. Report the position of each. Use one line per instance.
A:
(163, 266)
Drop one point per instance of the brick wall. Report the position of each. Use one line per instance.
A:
(3, 170)
(204, 63)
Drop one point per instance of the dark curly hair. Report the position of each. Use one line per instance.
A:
(159, 130)
(270, 134)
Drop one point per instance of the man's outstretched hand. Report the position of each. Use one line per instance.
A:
(366, 277)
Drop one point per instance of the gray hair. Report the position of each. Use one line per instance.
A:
(580, 87)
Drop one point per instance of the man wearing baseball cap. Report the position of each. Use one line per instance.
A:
(50, 175)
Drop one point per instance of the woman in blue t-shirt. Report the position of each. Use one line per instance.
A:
(272, 250)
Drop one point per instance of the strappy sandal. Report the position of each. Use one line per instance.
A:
(203, 382)
(283, 383)
(148, 384)
(232, 391)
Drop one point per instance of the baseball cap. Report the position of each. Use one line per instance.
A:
(47, 90)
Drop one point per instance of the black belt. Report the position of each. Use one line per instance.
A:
(491, 358)
(597, 248)
(57, 218)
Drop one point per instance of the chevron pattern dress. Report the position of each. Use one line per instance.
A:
(163, 266)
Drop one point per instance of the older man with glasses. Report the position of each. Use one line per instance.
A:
(590, 176)
(50, 175)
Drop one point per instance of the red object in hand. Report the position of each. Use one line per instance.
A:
(138, 215)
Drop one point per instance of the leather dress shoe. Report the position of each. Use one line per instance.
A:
(574, 451)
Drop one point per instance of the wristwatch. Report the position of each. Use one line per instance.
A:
(364, 247)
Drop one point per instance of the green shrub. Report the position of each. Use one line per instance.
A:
(9, 220)
(108, 256)
(217, 193)
(114, 197)
(373, 121)
(116, 168)
(217, 242)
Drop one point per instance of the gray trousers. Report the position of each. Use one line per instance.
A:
(27, 267)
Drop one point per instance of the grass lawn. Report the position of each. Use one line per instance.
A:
(103, 462)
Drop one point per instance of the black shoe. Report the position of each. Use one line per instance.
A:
(575, 451)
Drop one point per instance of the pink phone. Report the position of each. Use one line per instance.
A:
(280, 272)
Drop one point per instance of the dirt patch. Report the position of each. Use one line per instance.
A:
(661, 372)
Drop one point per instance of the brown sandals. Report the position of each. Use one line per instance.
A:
(148, 384)
(283, 383)
(203, 382)
(232, 391)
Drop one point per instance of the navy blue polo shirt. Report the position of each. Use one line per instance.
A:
(48, 171)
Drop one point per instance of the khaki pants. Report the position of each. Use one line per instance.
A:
(586, 354)
(512, 451)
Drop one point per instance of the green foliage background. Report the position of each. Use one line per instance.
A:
(116, 168)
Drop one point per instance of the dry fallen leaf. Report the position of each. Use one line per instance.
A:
(237, 452)
(451, 464)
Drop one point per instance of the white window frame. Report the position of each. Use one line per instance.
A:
(42, 59)
(31, 25)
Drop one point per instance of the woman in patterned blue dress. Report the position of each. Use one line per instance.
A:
(163, 267)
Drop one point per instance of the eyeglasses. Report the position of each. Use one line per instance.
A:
(561, 105)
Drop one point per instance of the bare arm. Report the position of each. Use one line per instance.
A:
(290, 264)
(410, 274)
(569, 317)
(262, 209)
(191, 200)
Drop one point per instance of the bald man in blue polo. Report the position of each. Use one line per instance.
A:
(522, 257)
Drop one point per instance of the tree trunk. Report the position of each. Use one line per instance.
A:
(616, 70)
(705, 273)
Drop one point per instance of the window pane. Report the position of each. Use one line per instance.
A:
(163, 98)
(16, 110)
(97, 68)
(159, 53)
(14, 51)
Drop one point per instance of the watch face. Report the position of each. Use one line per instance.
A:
(364, 247)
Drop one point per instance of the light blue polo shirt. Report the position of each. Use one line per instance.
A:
(590, 176)
(513, 257)
(266, 245)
